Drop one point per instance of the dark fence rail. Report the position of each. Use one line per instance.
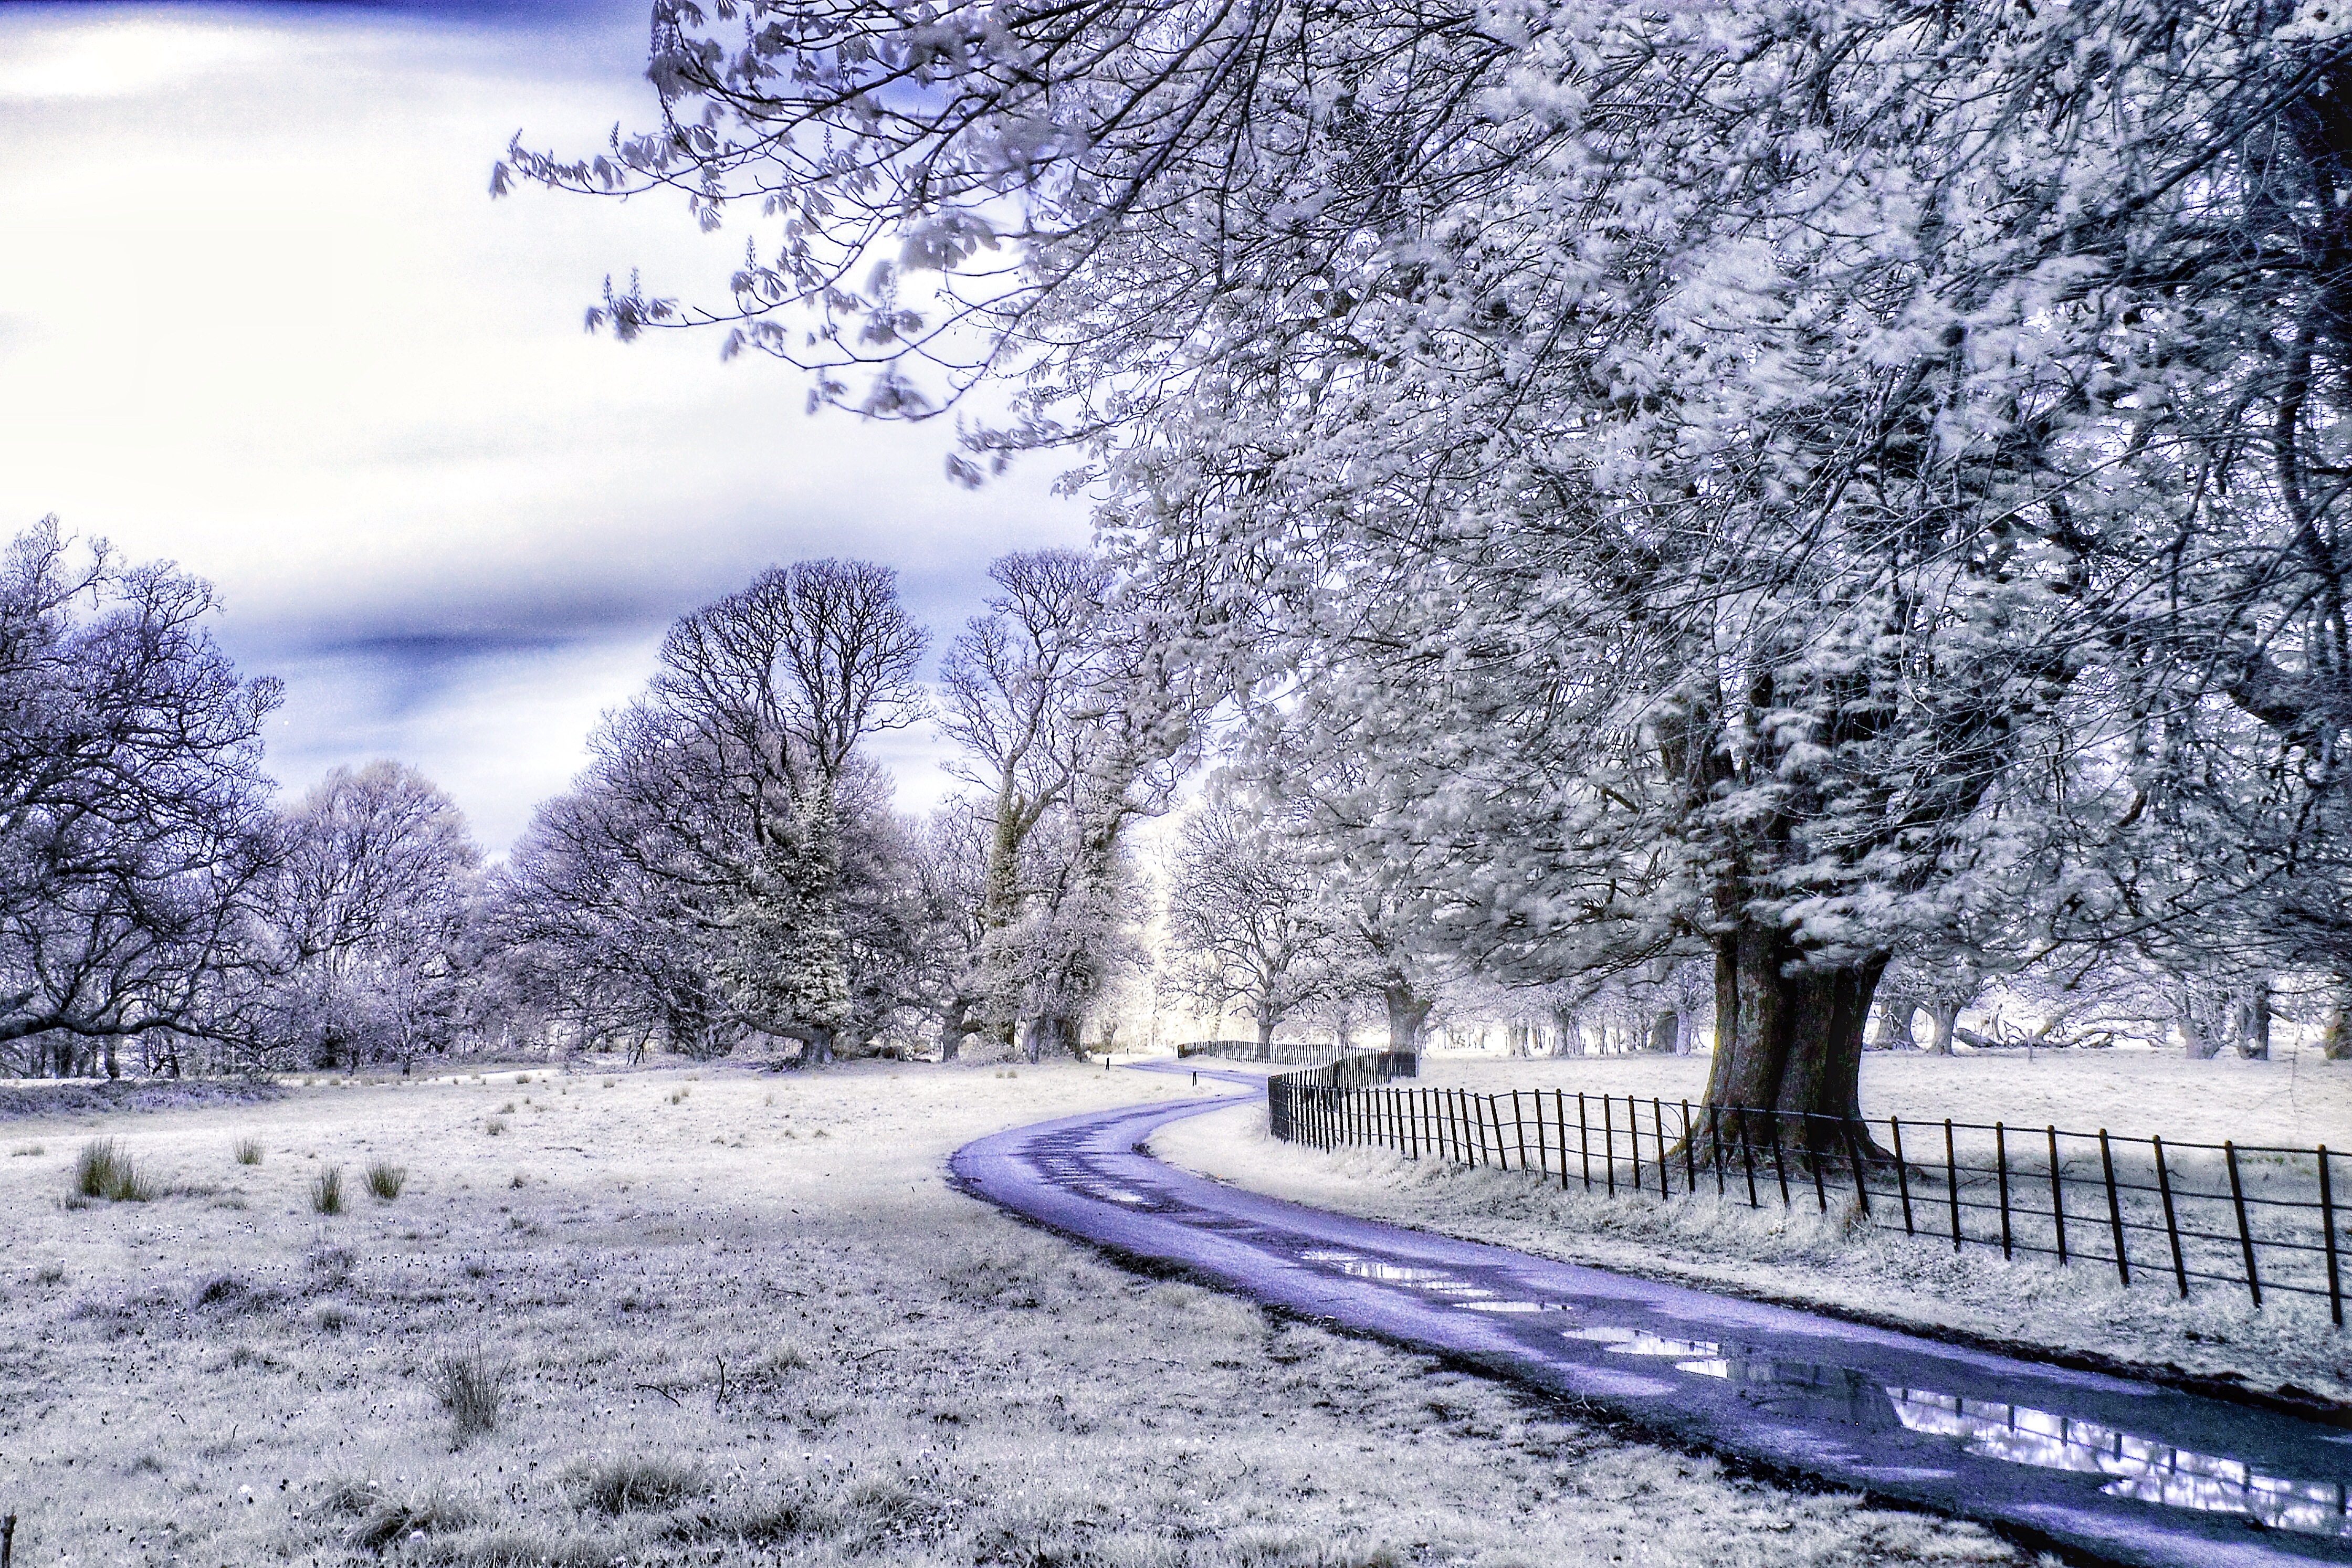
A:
(1253, 1051)
(2251, 1217)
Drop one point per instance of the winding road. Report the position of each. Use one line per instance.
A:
(2129, 1471)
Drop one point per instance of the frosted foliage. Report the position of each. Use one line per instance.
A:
(1784, 476)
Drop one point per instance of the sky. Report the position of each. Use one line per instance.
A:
(260, 316)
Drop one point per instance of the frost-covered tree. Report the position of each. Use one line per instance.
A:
(729, 864)
(1074, 727)
(136, 832)
(1244, 920)
(365, 924)
(1772, 479)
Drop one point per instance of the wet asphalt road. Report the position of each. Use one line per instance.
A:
(2129, 1471)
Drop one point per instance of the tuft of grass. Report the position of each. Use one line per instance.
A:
(494, 1127)
(518, 1179)
(618, 1486)
(787, 1356)
(523, 1078)
(385, 1179)
(507, 1109)
(473, 1388)
(679, 1095)
(610, 1081)
(50, 1274)
(104, 1170)
(249, 1151)
(22, 1150)
(327, 1191)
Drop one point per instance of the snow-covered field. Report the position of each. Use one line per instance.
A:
(1805, 1258)
(220, 1375)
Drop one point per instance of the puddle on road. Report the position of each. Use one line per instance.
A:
(2141, 1468)
(1639, 1342)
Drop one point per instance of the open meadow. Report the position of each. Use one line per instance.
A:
(1802, 1257)
(670, 1316)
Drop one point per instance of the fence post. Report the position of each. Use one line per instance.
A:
(1559, 1120)
(1633, 1136)
(2171, 1226)
(1583, 1145)
(1813, 1158)
(1490, 1112)
(1854, 1153)
(1902, 1174)
(1714, 1142)
(1609, 1142)
(1690, 1154)
(2245, 1233)
(1658, 1130)
(2057, 1198)
(1952, 1182)
(2114, 1208)
(1519, 1125)
(1780, 1161)
(1747, 1154)
(2328, 1225)
(2000, 1163)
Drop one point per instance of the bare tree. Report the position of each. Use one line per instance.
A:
(1077, 725)
(1243, 912)
(730, 850)
(133, 827)
(366, 919)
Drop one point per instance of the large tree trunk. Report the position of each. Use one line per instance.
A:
(1264, 1029)
(1662, 1034)
(1944, 1025)
(1407, 1014)
(1788, 1034)
(2252, 1024)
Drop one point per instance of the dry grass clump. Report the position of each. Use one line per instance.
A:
(105, 1170)
(494, 1127)
(472, 1387)
(249, 1151)
(385, 1179)
(628, 1485)
(21, 1150)
(327, 1191)
(381, 1522)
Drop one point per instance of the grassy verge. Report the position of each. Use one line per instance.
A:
(750, 1324)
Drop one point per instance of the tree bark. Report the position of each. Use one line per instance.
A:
(1662, 1034)
(1407, 1014)
(2253, 1022)
(1788, 1033)
(1944, 1025)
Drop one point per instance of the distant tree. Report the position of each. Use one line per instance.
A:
(1244, 918)
(729, 865)
(366, 920)
(135, 829)
(1074, 726)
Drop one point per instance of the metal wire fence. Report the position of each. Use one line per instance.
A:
(2250, 1216)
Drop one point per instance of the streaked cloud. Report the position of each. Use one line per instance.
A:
(270, 325)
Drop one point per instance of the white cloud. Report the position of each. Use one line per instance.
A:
(267, 324)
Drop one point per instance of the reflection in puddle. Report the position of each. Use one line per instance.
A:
(1804, 1388)
(1639, 1342)
(1436, 1282)
(2146, 1469)
(1515, 1306)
